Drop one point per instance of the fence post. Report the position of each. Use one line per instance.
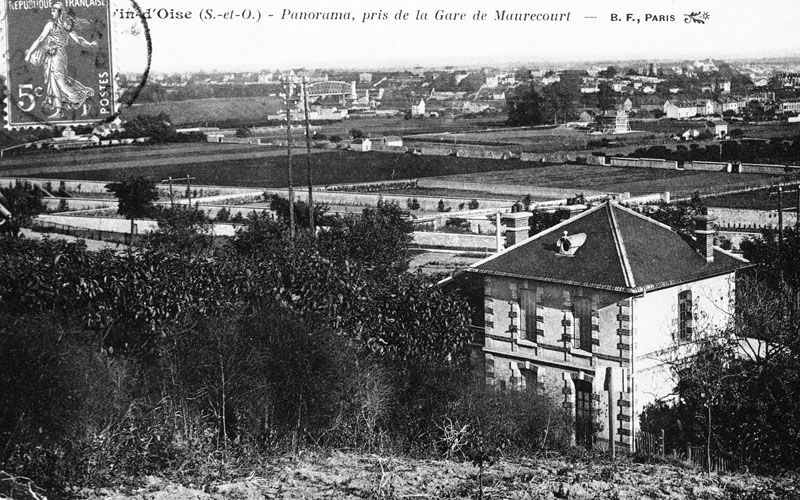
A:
(662, 443)
(689, 453)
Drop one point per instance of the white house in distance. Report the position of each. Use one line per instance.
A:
(361, 144)
(679, 109)
(418, 109)
(609, 290)
(718, 127)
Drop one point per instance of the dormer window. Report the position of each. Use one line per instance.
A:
(569, 244)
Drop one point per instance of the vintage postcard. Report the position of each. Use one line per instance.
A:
(392, 250)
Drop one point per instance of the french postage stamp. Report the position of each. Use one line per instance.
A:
(59, 64)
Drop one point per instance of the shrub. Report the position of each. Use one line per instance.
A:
(223, 214)
(412, 204)
(441, 207)
(473, 204)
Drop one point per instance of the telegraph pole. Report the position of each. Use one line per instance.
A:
(311, 226)
(171, 196)
(289, 159)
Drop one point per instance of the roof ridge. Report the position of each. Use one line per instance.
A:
(643, 216)
(627, 271)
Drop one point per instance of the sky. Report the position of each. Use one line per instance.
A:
(733, 29)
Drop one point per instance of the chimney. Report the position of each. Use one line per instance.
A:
(705, 234)
(517, 227)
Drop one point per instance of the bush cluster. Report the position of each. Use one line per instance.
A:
(195, 362)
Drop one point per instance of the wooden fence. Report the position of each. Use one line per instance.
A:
(654, 445)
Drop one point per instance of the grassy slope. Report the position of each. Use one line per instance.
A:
(349, 476)
(633, 180)
(756, 200)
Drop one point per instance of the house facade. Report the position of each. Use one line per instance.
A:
(606, 294)
(679, 110)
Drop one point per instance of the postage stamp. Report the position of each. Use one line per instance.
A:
(59, 64)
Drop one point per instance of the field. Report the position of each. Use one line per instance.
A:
(202, 111)
(617, 179)
(543, 139)
(756, 200)
(329, 167)
(90, 156)
(763, 131)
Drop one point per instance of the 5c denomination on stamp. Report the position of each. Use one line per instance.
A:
(59, 68)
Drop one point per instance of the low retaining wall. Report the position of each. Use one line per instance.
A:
(114, 225)
(742, 218)
(456, 241)
(708, 166)
(78, 203)
(644, 163)
(99, 187)
(756, 168)
(649, 198)
(427, 203)
(506, 189)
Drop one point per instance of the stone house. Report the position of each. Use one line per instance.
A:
(608, 291)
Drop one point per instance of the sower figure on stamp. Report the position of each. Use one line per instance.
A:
(62, 92)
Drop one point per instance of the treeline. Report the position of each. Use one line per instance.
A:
(153, 92)
(191, 359)
(774, 151)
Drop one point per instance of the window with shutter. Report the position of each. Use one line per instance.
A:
(528, 314)
(685, 315)
(582, 314)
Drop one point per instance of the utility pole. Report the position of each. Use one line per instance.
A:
(189, 189)
(289, 159)
(311, 225)
(777, 190)
(188, 180)
(171, 196)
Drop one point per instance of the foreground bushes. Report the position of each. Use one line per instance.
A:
(222, 395)
(166, 361)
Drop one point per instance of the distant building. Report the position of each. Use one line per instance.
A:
(679, 109)
(613, 122)
(709, 107)
(792, 106)
(361, 145)
(718, 127)
(728, 103)
(418, 109)
(392, 141)
(365, 78)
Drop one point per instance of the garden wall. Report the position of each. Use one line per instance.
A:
(503, 189)
(644, 163)
(456, 241)
(117, 225)
(708, 166)
(756, 168)
(427, 203)
(743, 218)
